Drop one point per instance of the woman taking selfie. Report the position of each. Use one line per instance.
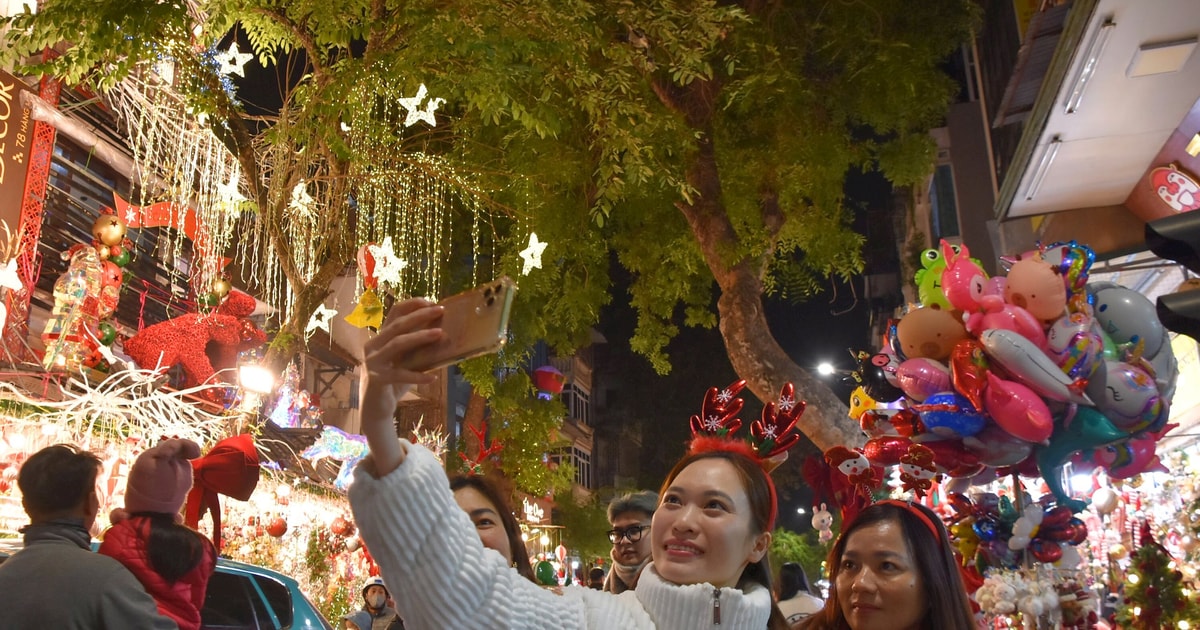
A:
(711, 531)
(892, 569)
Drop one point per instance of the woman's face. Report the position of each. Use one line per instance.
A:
(878, 583)
(486, 518)
(701, 531)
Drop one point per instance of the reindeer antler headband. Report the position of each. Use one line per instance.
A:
(475, 466)
(770, 436)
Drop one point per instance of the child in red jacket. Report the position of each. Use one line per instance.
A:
(171, 560)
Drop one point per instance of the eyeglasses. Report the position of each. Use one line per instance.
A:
(632, 534)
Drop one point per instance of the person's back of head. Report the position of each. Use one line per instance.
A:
(56, 482)
(644, 501)
(792, 580)
(156, 488)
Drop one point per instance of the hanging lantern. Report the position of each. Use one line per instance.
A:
(548, 381)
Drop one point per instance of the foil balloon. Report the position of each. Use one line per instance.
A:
(996, 447)
(929, 280)
(949, 415)
(998, 314)
(1036, 286)
(1127, 395)
(887, 450)
(1045, 550)
(1133, 457)
(968, 370)
(920, 378)
(876, 374)
(1105, 500)
(1018, 410)
(1074, 345)
(930, 333)
(1087, 431)
(1028, 364)
(963, 279)
(1127, 316)
(545, 573)
(953, 458)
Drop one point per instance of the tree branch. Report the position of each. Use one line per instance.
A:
(304, 37)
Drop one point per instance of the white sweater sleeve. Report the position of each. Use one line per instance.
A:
(433, 563)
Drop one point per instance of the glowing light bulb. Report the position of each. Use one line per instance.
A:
(1133, 578)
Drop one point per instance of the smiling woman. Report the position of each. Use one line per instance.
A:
(892, 568)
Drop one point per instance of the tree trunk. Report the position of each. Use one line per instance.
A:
(755, 354)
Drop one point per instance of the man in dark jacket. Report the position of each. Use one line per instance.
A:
(56, 581)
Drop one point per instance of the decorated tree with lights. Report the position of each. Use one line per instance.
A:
(1155, 593)
(723, 129)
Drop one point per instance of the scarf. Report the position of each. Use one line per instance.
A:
(627, 573)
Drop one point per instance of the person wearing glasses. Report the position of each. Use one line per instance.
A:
(629, 515)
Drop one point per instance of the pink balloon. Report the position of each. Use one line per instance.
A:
(1018, 410)
(1034, 285)
(997, 314)
(921, 378)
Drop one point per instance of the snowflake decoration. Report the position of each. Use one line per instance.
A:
(387, 265)
(769, 433)
(233, 61)
(786, 403)
(320, 319)
(301, 201)
(532, 255)
(725, 396)
(712, 424)
(415, 113)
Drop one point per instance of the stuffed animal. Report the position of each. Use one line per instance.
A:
(822, 521)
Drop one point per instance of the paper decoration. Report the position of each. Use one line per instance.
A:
(368, 312)
(532, 255)
(387, 265)
(233, 61)
(320, 319)
(301, 201)
(415, 113)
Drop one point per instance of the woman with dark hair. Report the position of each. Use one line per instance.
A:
(494, 521)
(892, 568)
(711, 531)
(796, 599)
(172, 561)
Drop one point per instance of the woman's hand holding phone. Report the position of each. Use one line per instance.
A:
(410, 324)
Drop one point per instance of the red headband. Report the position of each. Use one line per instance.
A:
(915, 511)
(770, 437)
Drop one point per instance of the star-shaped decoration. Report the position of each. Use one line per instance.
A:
(532, 255)
(413, 105)
(712, 424)
(786, 403)
(301, 201)
(320, 319)
(233, 60)
(228, 193)
(387, 265)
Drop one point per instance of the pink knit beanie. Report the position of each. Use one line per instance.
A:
(161, 477)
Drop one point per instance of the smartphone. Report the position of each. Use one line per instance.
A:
(475, 322)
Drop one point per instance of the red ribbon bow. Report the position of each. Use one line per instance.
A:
(230, 468)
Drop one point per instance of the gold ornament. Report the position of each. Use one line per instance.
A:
(109, 229)
(221, 287)
(102, 252)
(1118, 552)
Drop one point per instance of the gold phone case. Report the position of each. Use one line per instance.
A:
(475, 322)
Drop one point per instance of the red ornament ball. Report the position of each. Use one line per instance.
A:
(278, 527)
(341, 526)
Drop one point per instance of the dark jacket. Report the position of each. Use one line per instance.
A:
(57, 582)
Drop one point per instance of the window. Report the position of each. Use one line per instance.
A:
(583, 467)
(278, 597)
(232, 603)
(579, 403)
(944, 202)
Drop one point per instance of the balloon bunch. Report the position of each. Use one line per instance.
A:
(1024, 372)
(85, 295)
(989, 531)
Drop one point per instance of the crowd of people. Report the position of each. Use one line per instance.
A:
(692, 555)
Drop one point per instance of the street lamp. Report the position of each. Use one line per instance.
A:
(825, 369)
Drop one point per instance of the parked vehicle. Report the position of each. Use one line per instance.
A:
(243, 597)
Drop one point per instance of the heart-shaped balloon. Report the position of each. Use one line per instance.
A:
(1045, 550)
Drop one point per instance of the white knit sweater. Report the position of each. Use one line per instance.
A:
(442, 577)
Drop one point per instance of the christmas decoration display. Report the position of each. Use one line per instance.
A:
(416, 112)
(548, 381)
(320, 319)
(294, 406)
(368, 313)
(231, 468)
(335, 443)
(1021, 373)
(187, 341)
(1155, 593)
(76, 312)
(532, 255)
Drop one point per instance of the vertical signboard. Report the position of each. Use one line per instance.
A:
(16, 138)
